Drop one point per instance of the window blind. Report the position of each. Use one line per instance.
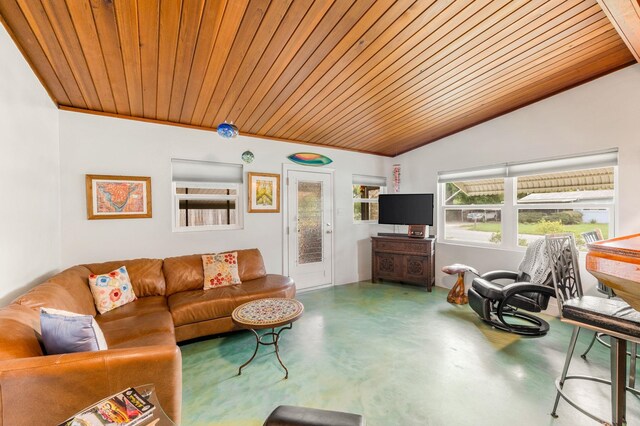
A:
(369, 180)
(565, 164)
(592, 160)
(205, 171)
(491, 172)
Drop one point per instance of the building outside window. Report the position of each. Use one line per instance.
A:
(206, 195)
(512, 204)
(366, 190)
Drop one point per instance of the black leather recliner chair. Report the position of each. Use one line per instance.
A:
(502, 304)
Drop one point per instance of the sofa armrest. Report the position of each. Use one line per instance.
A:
(55, 387)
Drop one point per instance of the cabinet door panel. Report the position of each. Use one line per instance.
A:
(416, 268)
(388, 265)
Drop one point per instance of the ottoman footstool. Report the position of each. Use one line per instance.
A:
(287, 415)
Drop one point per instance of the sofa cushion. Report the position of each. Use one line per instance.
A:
(67, 332)
(111, 290)
(124, 332)
(49, 295)
(220, 270)
(204, 328)
(68, 291)
(151, 339)
(250, 265)
(20, 327)
(184, 273)
(140, 306)
(75, 281)
(146, 274)
(201, 305)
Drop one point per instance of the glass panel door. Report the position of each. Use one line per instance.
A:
(309, 222)
(309, 228)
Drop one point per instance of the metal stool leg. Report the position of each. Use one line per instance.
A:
(565, 369)
(633, 353)
(593, 340)
(632, 365)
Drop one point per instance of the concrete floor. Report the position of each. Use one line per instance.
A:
(398, 355)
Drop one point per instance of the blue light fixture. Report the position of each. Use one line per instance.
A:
(227, 130)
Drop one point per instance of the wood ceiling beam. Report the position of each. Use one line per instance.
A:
(625, 18)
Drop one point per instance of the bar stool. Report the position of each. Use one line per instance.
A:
(609, 316)
(456, 294)
(590, 237)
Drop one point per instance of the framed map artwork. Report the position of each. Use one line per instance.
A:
(264, 193)
(118, 197)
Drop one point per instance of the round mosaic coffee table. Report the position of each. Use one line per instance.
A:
(264, 314)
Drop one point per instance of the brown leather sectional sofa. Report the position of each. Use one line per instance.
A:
(172, 306)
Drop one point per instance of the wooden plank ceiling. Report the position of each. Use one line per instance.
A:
(376, 76)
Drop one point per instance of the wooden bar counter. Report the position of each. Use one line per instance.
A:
(616, 262)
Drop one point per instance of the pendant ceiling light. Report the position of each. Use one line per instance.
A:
(227, 130)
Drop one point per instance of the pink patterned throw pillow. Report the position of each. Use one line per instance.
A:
(220, 270)
(111, 290)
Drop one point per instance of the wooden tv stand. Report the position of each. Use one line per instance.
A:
(404, 259)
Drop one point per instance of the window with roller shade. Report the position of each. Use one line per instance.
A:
(509, 205)
(206, 195)
(366, 190)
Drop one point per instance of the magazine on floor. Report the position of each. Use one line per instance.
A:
(126, 408)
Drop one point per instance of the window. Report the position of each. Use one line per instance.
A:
(206, 195)
(576, 201)
(473, 208)
(366, 190)
(510, 205)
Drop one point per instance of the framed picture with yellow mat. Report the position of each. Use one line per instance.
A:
(264, 193)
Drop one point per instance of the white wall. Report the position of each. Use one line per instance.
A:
(598, 115)
(29, 176)
(92, 144)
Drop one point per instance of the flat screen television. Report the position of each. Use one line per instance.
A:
(406, 209)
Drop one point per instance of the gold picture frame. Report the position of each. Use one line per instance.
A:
(118, 197)
(264, 192)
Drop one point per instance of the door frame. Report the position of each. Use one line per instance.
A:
(285, 216)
